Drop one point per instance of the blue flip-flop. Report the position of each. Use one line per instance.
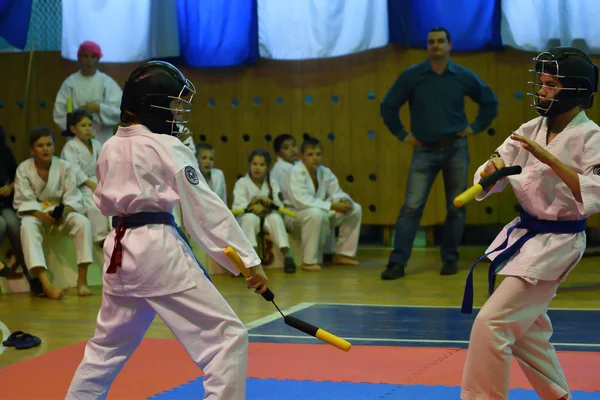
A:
(28, 341)
(13, 339)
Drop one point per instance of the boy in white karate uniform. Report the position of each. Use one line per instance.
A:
(82, 153)
(214, 177)
(558, 189)
(321, 205)
(256, 192)
(143, 172)
(286, 151)
(92, 90)
(42, 183)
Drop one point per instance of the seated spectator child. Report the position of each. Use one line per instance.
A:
(82, 153)
(255, 193)
(49, 203)
(321, 205)
(214, 177)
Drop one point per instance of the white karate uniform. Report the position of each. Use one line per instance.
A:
(83, 163)
(217, 184)
(99, 88)
(314, 217)
(33, 194)
(281, 174)
(141, 171)
(514, 320)
(243, 192)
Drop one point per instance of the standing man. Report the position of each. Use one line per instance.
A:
(435, 89)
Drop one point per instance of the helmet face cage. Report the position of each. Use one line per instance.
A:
(184, 103)
(546, 64)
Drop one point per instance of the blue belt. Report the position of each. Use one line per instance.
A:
(140, 219)
(533, 226)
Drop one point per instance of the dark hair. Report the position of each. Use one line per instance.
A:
(278, 142)
(203, 146)
(310, 142)
(78, 115)
(40, 132)
(267, 157)
(442, 29)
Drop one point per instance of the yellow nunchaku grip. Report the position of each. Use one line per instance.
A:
(234, 257)
(286, 212)
(333, 340)
(467, 195)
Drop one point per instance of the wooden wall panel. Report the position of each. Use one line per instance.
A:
(338, 96)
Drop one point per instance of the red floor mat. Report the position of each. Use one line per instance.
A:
(161, 364)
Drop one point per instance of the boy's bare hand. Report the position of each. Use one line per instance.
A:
(257, 279)
(341, 207)
(495, 164)
(412, 141)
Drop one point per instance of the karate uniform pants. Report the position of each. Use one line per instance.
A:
(514, 322)
(200, 319)
(274, 225)
(316, 227)
(75, 225)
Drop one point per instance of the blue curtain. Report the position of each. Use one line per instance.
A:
(14, 21)
(218, 33)
(474, 25)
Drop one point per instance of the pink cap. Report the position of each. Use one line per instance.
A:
(92, 47)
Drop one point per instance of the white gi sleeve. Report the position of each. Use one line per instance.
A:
(220, 184)
(210, 222)
(110, 109)
(302, 196)
(589, 181)
(277, 196)
(241, 199)
(69, 154)
(72, 196)
(60, 105)
(333, 189)
(508, 153)
(25, 199)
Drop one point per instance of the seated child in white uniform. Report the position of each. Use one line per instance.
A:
(82, 153)
(214, 177)
(43, 185)
(321, 205)
(255, 193)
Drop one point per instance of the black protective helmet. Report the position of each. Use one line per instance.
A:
(577, 73)
(148, 94)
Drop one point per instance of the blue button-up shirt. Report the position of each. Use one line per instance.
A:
(437, 102)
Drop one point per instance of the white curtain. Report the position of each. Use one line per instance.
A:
(126, 30)
(536, 25)
(303, 29)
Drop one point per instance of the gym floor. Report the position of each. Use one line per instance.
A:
(409, 338)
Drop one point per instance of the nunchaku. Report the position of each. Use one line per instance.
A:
(288, 319)
(272, 206)
(484, 184)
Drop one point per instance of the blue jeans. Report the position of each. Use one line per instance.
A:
(453, 160)
(11, 224)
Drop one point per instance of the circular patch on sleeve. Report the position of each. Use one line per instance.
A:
(191, 175)
(596, 170)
